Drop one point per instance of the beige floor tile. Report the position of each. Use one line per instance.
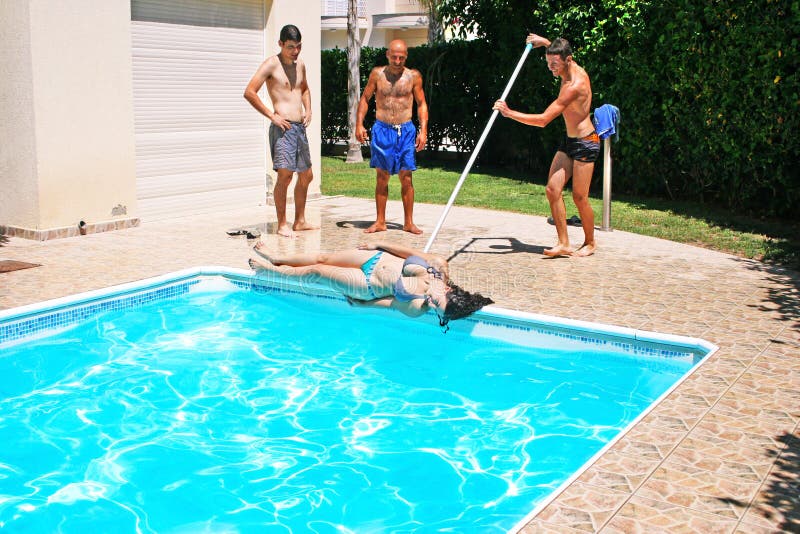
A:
(752, 472)
(700, 489)
(584, 508)
(691, 463)
(777, 506)
(646, 516)
(620, 471)
(538, 526)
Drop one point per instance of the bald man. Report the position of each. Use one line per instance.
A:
(395, 139)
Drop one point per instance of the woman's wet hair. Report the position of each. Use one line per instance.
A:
(460, 304)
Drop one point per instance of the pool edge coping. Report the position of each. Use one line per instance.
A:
(21, 312)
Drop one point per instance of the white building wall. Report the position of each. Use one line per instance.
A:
(77, 91)
(406, 6)
(377, 38)
(83, 109)
(377, 25)
(19, 202)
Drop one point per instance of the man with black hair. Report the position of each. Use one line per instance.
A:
(576, 156)
(285, 76)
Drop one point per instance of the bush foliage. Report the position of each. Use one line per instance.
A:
(709, 92)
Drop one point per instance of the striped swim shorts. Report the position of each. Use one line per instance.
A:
(290, 148)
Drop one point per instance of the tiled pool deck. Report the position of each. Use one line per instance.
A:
(721, 454)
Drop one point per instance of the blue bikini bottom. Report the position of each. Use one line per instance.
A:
(367, 267)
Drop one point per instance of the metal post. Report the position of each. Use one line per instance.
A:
(606, 226)
(477, 149)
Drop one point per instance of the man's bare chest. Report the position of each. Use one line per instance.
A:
(286, 77)
(395, 87)
(575, 94)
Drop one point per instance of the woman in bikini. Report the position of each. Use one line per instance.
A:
(381, 274)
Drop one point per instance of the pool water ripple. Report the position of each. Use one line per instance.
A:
(247, 412)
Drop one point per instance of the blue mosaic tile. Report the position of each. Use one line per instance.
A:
(636, 348)
(58, 319)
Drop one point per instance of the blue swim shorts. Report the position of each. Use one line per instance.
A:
(290, 148)
(393, 147)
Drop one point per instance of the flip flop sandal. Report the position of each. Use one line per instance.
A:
(572, 221)
(236, 231)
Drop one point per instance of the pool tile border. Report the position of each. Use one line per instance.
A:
(608, 340)
(16, 324)
(17, 330)
(19, 323)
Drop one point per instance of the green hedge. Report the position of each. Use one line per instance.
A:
(718, 86)
(334, 90)
(709, 94)
(460, 94)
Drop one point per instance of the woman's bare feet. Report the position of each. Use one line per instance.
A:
(587, 249)
(261, 249)
(260, 265)
(558, 250)
(412, 228)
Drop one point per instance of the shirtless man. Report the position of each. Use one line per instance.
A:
(394, 137)
(576, 156)
(285, 76)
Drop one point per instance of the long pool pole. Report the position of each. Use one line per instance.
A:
(477, 149)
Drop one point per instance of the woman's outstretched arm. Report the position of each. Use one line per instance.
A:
(402, 251)
(413, 308)
(385, 302)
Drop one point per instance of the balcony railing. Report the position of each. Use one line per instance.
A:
(338, 8)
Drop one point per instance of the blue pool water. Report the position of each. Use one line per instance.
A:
(245, 411)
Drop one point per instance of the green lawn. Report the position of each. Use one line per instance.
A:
(684, 222)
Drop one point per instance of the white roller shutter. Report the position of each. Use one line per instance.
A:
(200, 147)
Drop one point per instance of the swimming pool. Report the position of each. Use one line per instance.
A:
(209, 400)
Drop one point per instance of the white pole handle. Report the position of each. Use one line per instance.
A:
(477, 149)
